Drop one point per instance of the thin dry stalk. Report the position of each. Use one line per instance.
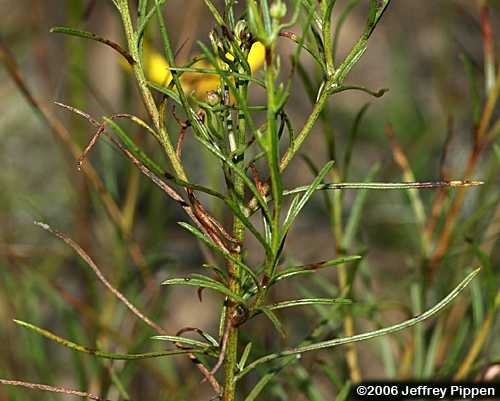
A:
(101, 277)
(45, 387)
(440, 198)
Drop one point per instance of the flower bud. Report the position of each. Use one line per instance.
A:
(213, 98)
(278, 10)
(241, 29)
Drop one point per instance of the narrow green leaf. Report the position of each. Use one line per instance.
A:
(215, 13)
(357, 210)
(430, 358)
(206, 283)
(244, 356)
(165, 91)
(343, 88)
(353, 134)
(255, 22)
(264, 6)
(98, 353)
(182, 340)
(145, 18)
(386, 186)
(295, 208)
(369, 335)
(308, 301)
(312, 268)
(387, 356)
(198, 234)
(419, 331)
(477, 300)
(274, 320)
(341, 20)
(257, 389)
(456, 349)
(235, 207)
(97, 38)
(133, 148)
(344, 392)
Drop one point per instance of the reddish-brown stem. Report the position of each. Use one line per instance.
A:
(52, 389)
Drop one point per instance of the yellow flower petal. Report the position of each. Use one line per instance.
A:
(156, 67)
(256, 56)
(158, 71)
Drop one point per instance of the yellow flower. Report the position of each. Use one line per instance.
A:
(156, 67)
(158, 70)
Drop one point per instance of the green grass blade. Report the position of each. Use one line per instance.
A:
(353, 134)
(430, 358)
(357, 211)
(419, 331)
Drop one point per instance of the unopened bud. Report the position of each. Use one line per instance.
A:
(278, 9)
(241, 29)
(213, 98)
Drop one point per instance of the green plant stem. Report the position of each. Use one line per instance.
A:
(328, 87)
(351, 355)
(327, 7)
(297, 143)
(231, 358)
(147, 97)
(272, 151)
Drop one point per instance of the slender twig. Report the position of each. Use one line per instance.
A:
(182, 133)
(101, 277)
(223, 348)
(52, 389)
(196, 212)
(203, 369)
(440, 197)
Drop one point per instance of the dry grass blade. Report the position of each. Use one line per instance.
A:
(45, 387)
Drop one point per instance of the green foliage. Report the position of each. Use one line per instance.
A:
(246, 142)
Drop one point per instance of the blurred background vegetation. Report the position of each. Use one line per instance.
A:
(430, 55)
